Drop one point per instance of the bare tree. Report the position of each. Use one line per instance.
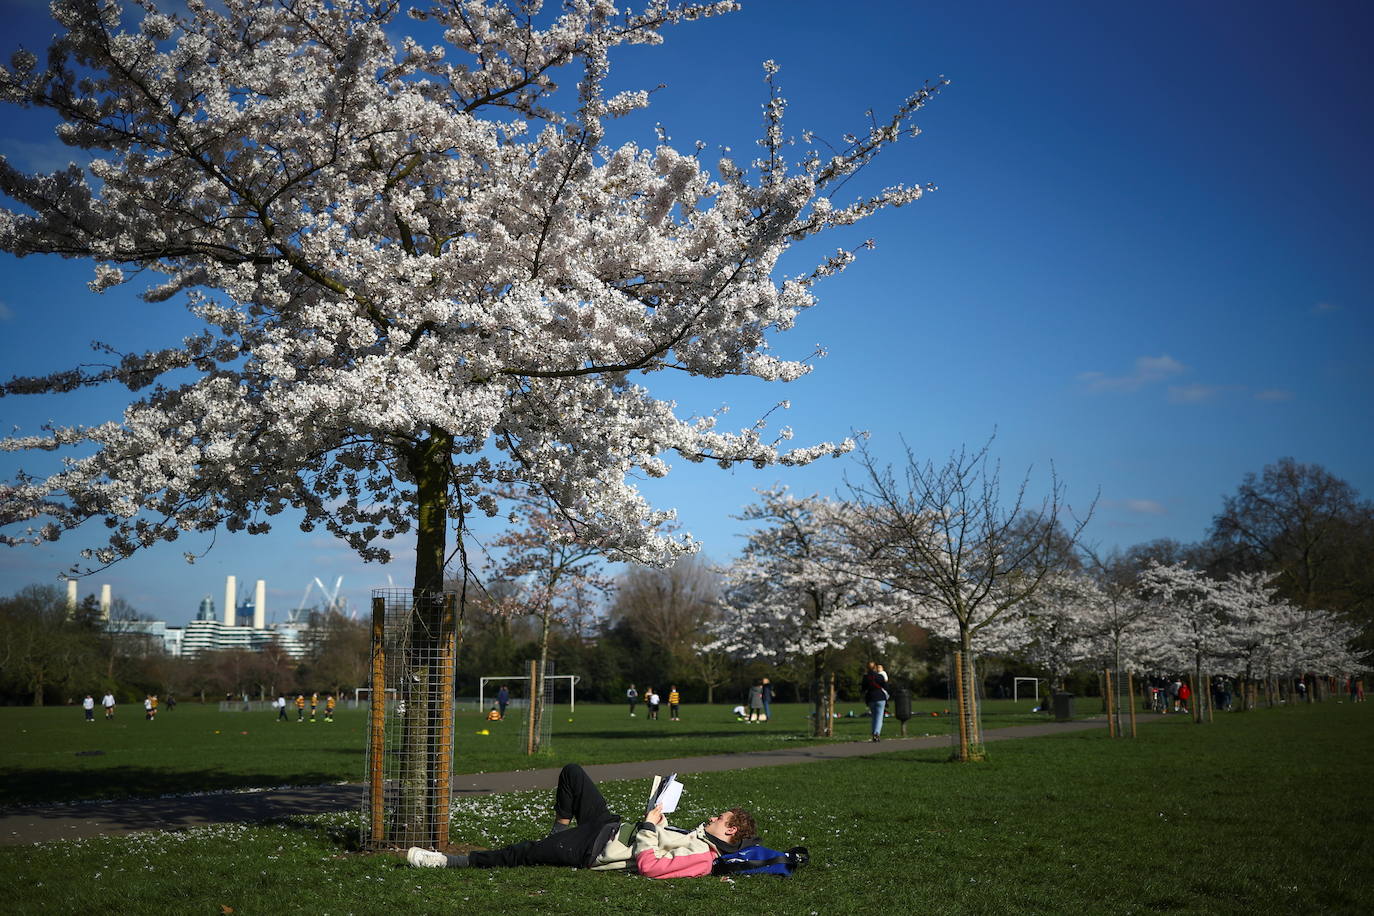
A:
(673, 609)
(944, 535)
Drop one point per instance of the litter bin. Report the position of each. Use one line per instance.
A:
(1063, 707)
(901, 704)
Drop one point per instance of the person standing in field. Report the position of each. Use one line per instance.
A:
(632, 697)
(88, 705)
(756, 701)
(674, 699)
(148, 707)
(281, 707)
(651, 701)
(109, 703)
(875, 695)
(314, 702)
(329, 708)
(154, 715)
(767, 699)
(300, 707)
(503, 699)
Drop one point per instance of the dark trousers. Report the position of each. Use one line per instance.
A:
(578, 798)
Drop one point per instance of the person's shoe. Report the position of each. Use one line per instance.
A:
(426, 858)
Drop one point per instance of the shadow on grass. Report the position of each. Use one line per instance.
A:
(110, 786)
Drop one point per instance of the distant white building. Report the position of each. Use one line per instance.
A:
(208, 633)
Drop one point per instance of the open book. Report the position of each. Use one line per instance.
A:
(665, 792)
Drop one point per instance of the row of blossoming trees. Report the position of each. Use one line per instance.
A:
(939, 546)
(1178, 620)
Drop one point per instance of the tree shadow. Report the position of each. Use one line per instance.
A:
(110, 787)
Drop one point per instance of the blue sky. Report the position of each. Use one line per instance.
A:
(1148, 264)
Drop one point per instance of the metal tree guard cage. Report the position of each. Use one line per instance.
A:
(967, 734)
(1119, 690)
(410, 720)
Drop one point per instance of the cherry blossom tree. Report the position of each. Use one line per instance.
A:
(798, 588)
(1188, 631)
(1113, 610)
(418, 279)
(1053, 630)
(553, 575)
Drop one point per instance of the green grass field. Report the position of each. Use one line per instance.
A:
(1264, 812)
(56, 756)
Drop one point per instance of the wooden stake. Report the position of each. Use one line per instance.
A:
(1111, 710)
(830, 713)
(1130, 694)
(529, 708)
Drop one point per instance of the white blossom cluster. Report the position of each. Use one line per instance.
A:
(409, 266)
(1172, 619)
(799, 588)
(1239, 625)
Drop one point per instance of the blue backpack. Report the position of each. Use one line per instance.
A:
(760, 860)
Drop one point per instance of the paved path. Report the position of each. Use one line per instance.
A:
(74, 821)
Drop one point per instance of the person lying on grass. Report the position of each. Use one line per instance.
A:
(599, 841)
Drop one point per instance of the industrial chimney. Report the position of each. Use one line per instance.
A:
(260, 605)
(231, 600)
(71, 596)
(104, 602)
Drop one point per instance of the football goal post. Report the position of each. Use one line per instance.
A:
(572, 680)
(1016, 687)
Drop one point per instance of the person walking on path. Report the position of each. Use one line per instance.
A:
(1185, 693)
(632, 697)
(88, 705)
(767, 699)
(756, 702)
(674, 699)
(599, 841)
(875, 695)
(109, 703)
(503, 699)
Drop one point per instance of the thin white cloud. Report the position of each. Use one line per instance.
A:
(1193, 394)
(1274, 394)
(1147, 370)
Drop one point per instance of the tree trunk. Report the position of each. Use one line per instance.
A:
(970, 723)
(429, 464)
(537, 710)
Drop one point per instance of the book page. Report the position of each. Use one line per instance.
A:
(670, 795)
